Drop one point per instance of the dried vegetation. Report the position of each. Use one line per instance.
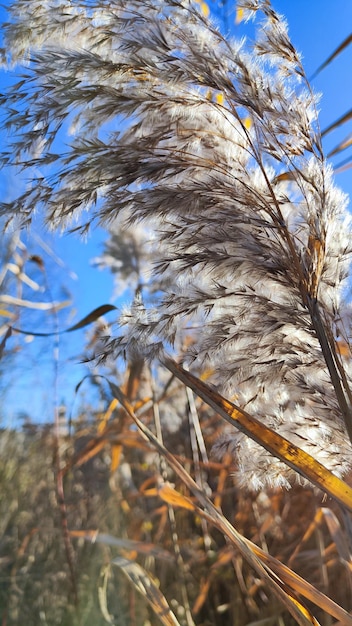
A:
(240, 274)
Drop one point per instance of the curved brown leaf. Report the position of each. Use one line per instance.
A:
(88, 319)
(341, 120)
(345, 143)
(346, 42)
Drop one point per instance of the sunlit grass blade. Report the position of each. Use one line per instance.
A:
(6, 313)
(278, 446)
(116, 456)
(106, 416)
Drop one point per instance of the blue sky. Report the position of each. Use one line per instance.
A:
(316, 27)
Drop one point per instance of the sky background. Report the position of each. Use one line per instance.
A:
(316, 28)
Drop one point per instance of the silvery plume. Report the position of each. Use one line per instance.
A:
(216, 145)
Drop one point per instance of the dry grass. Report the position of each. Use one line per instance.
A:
(129, 520)
(212, 575)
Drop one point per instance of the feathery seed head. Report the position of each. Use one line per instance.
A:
(253, 238)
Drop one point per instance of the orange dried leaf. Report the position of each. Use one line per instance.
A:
(138, 405)
(173, 497)
(247, 123)
(5, 313)
(222, 480)
(343, 348)
(89, 452)
(202, 596)
(90, 535)
(112, 406)
(130, 440)
(116, 451)
(239, 16)
(284, 176)
(225, 557)
(205, 9)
